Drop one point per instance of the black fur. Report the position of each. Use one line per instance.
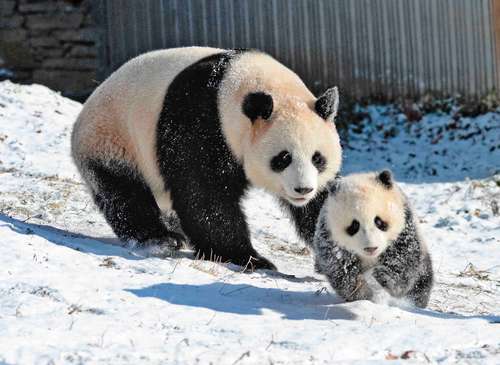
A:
(341, 267)
(319, 161)
(326, 105)
(385, 178)
(334, 185)
(258, 105)
(129, 205)
(404, 269)
(305, 217)
(281, 161)
(205, 180)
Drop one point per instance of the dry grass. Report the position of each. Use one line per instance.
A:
(211, 265)
(473, 272)
(109, 263)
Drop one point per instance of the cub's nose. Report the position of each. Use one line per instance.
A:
(303, 191)
(370, 250)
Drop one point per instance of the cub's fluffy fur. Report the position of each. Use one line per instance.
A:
(367, 228)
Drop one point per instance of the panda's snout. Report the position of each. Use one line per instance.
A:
(370, 250)
(303, 190)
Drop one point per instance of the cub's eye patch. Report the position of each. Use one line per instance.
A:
(319, 161)
(353, 228)
(380, 224)
(281, 161)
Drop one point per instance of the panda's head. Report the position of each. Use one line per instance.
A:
(365, 212)
(293, 148)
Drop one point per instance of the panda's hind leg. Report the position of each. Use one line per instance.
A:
(129, 207)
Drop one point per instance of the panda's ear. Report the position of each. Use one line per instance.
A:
(327, 104)
(258, 105)
(385, 178)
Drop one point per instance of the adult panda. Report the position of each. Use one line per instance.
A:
(189, 130)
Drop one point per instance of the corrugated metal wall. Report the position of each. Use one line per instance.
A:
(367, 47)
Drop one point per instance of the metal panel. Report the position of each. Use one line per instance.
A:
(367, 47)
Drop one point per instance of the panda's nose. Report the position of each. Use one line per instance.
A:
(303, 191)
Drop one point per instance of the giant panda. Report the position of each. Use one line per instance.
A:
(367, 230)
(189, 130)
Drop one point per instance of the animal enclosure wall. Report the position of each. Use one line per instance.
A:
(367, 47)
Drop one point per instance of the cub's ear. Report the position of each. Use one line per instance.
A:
(258, 105)
(334, 185)
(385, 178)
(327, 104)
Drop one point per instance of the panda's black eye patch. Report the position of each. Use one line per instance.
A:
(319, 161)
(281, 161)
(353, 228)
(383, 226)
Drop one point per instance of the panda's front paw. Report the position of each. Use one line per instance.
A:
(385, 279)
(163, 247)
(175, 240)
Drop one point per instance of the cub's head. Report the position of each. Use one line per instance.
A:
(292, 147)
(365, 212)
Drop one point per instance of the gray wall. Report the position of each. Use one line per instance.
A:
(367, 47)
(50, 42)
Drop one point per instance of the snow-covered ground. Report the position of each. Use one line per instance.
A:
(70, 294)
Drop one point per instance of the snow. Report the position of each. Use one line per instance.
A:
(69, 294)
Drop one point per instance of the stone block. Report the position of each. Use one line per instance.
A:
(17, 55)
(7, 7)
(12, 35)
(44, 42)
(50, 52)
(22, 76)
(88, 20)
(10, 22)
(37, 7)
(82, 51)
(84, 35)
(65, 80)
(54, 21)
(70, 63)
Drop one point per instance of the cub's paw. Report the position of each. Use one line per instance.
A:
(385, 279)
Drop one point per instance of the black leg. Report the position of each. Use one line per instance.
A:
(216, 226)
(344, 273)
(342, 268)
(129, 205)
(421, 290)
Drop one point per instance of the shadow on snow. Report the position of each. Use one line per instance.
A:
(443, 315)
(102, 246)
(107, 246)
(246, 299)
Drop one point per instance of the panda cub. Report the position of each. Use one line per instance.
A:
(366, 229)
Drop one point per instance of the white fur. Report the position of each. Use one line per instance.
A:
(294, 126)
(362, 197)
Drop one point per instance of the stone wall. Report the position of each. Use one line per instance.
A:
(50, 42)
